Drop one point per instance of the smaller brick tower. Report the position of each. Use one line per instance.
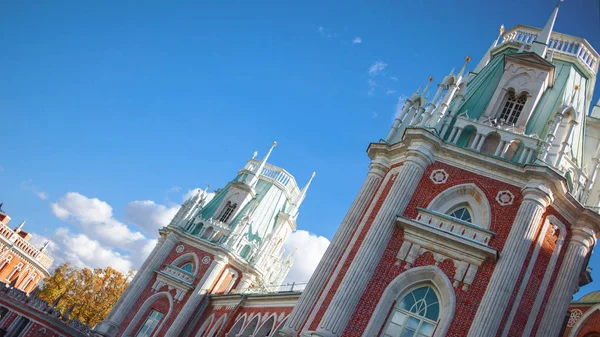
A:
(230, 243)
(21, 264)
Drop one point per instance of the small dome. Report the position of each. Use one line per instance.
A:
(591, 297)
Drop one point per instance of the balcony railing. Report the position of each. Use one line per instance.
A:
(276, 174)
(178, 274)
(455, 226)
(559, 43)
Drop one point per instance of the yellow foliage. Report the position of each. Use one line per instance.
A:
(91, 293)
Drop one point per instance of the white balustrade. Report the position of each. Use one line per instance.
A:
(559, 43)
(9, 235)
(179, 274)
(455, 226)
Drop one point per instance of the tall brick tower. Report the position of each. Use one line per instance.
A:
(479, 211)
(232, 243)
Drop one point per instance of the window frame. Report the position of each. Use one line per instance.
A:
(512, 108)
(408, 314)
(458, 208)
(227, 211)
(152, 326)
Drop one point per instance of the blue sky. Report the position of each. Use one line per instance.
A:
(123, 103)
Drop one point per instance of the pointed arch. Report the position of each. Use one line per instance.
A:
(577, 327)
(279, 326)
(431, 276)
(237, 326)
(144, 309)
(267, 327)
(190, 257)
(469, 195)
(207, 323)
(217, 327)
(251, 327)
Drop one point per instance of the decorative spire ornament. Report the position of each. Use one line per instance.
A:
(540, 45)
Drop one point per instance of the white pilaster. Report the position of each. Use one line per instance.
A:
(335, 250)
(197, 296)
(581, 241)
(245, 283)
(359, 273)
(502, 283)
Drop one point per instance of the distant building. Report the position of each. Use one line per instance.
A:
(21, 264)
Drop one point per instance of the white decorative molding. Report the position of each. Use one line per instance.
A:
(505, 198)
(180, 249)
(438, 176)
(446, 238)
(206, 260)
(575, 316)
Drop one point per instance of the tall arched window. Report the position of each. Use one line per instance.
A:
(416, 315)
(513, 107)
(227, 211)
(461, 213)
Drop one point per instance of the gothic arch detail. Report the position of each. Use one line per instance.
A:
(582, 320)
(404, 283)
(144, 308)
(188, 257)
(464, 194)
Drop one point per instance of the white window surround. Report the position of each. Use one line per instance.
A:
(263, 330)
(144, 308)
(523, 72)
(404, 283)
(150, 324)
(217, 326)
(464, 194)
(237, 326)
(185, 258)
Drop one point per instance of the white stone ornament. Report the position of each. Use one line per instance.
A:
(575, 316)
(505, 198)
(439, 176)
(179, 249)
(206, 260)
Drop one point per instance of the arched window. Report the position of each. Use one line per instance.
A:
(189, 267)
(513, 107)
(13, 275)
(416, 315)
(150, 324)
(227, 211)
(461, 213)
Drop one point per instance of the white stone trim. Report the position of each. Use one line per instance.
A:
(207, 323)
(241, 320)
(575, 329)
(439, 176)
(406, 282)
(245, 330)
(217, 326)
(505, 198)
(265, 320)
(139, 315)
(469, 194)
(188, 257)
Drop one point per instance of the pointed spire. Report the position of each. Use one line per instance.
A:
(427, 85)
(260, 167)
(18, 229)
(488, 55)
(304, 190)
(44, 246)
(540, 45)
(462, 70)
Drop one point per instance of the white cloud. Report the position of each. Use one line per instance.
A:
(310, 250)
(149, 216)
(357, 40)
(29, 186)
(374, 114)
(95, 218)
(394, 78)
(193, 191)
(83, 251)
(376, 68)
(389, 91)
(175, 189)
(372, 85)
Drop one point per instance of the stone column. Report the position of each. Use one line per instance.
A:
(457, 136)
(334, 252)
(198, 294)
(582, 240)
(245, 283)
(502, 283)
(360, 271)
(142, 279)
(398, 121)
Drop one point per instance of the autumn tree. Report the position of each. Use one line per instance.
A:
(91, 293)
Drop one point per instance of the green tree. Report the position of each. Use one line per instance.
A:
(91, 293)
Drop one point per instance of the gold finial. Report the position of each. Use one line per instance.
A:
(254, 154)
(430, 78)
(468, 59)
(274, 143)
(314, 174)
(576, 87)
(501, 29)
